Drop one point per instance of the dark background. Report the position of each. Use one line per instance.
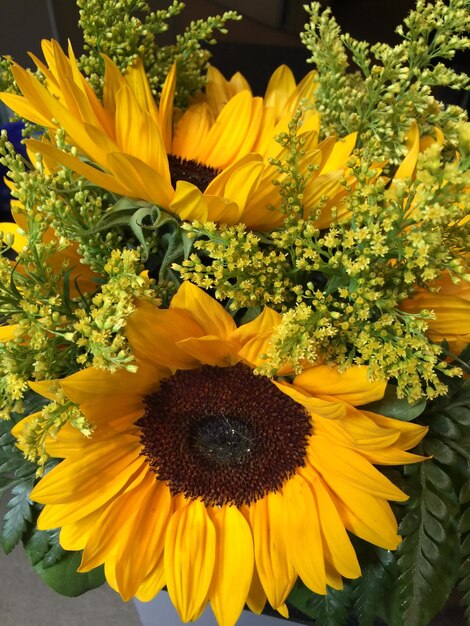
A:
(267, 36)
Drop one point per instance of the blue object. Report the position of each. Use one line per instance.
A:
(14, 131)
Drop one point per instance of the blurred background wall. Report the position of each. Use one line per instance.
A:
(266, 37)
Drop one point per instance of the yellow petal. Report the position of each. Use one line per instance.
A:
(190, 130)
(153, 335)
(367, 517)
(8, 332)
(243, 183)
(74, 536)
(189, 203)
(392, 456)
(88, 383)
(113, 81)
(137, 80)
(101, 179)
(234, 563)
(46, 388)
(263, 324)
(140, 179)
(302, 533)
(326, 408)
(256, 599)
(206, 311)
(340, 154)
(189, 559)
(73, 480)
(352, 385)
(280, 87)
(115, 413)
(218, 184)
(408, 165)
(219, 91)
(166, 107)
(357, 431)
(222, 210)
(20, 241)
(337, 545)
(55, 515)
(136, 557)
(210, 350)
(347, 466)
(452, 313)
(115, 524)
(153, 583)
(222, 143)
(410, 434)
(255, 337)
(68, 442)
(275, 569)
(22, 107)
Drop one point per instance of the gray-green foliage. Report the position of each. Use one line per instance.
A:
(392, 84)
(127, 29)
(56, 567)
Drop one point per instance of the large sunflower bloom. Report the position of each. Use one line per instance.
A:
(218, 483)
(214, 165)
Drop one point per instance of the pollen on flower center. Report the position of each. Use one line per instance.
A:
(223, 441)
(223, 434)
(191, 171)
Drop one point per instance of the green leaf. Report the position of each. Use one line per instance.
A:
(332, 609)
(43, 546)
(18, 475)
(18, 515)
(64, 578)
(464, 528)
(376, 585)
(399, 408)
(429, 556)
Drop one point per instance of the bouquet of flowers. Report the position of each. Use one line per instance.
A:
(234, 328)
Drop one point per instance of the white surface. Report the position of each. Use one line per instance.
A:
(161, 612)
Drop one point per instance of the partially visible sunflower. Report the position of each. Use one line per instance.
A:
(81, 278)
(450, 304)
(223, 485)
(214, 165)
(448, 301)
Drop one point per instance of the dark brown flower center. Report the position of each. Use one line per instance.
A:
(192, 172)
(223, 434)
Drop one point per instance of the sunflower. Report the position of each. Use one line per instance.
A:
(448, 302)
(223, 485)
(81, 278)
(450, 305)
(213, 165)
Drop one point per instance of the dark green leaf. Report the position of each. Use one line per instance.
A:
(371, 590)
(43, 546)
(64, 578)
(330, 610)
(17, 475)
(392, 406)
(440, 451)
(429, 556)
(464, 528)
(18, 515)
